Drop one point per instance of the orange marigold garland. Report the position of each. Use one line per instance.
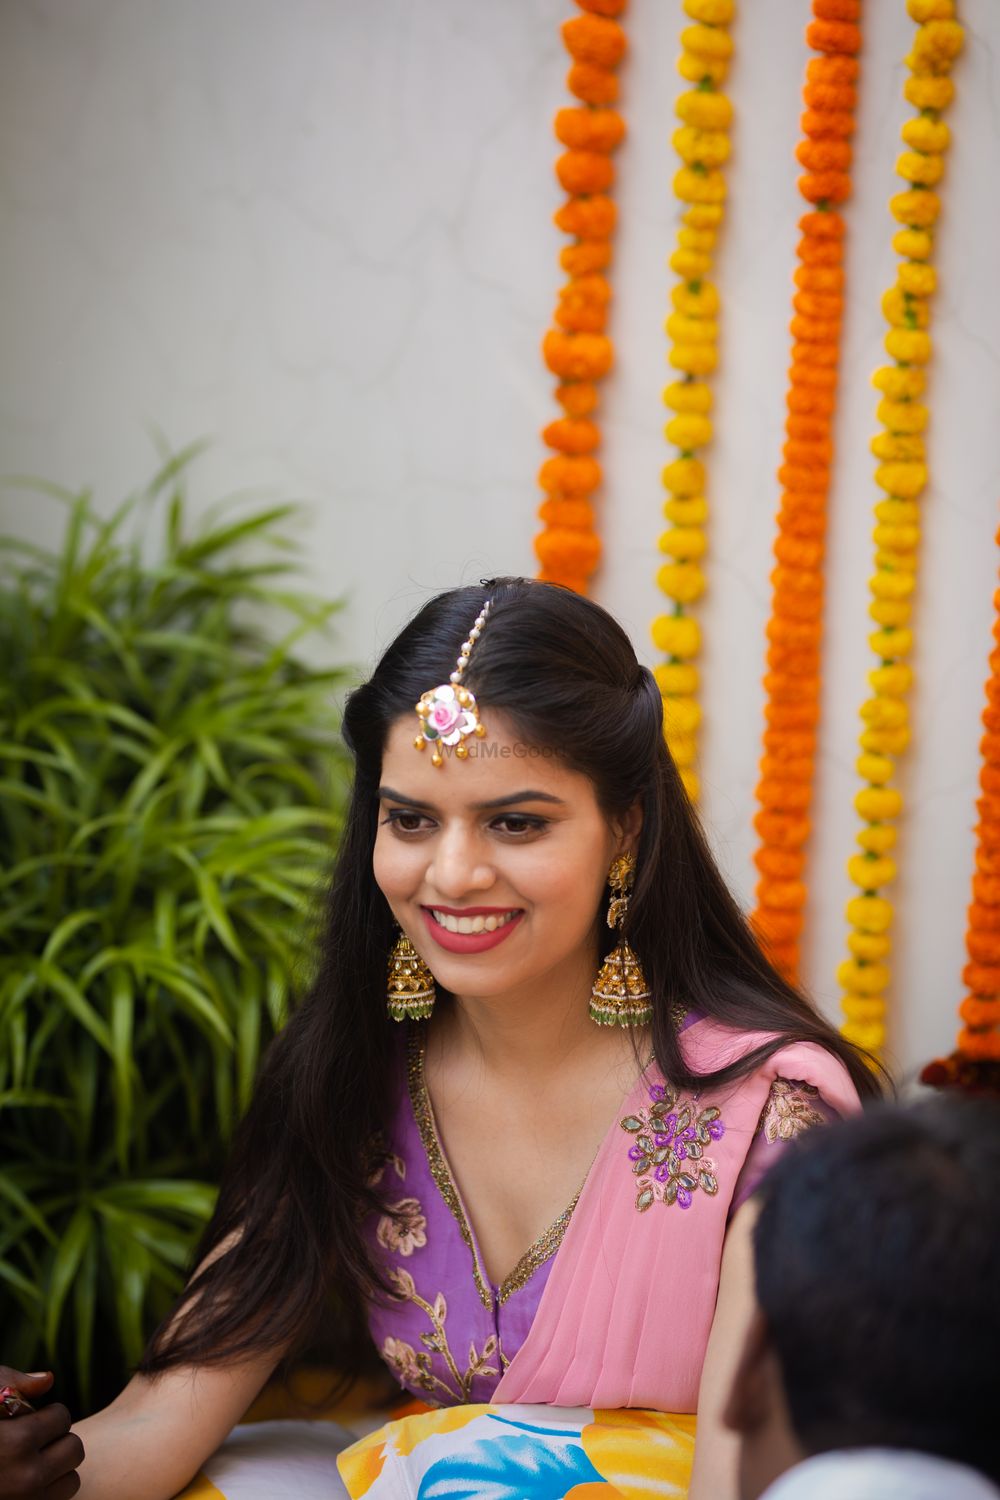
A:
(794, 630)
(975, 1064)
(902, 475)
(577, 350)
(702, 143)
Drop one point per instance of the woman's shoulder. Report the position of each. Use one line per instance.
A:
(789, 1070)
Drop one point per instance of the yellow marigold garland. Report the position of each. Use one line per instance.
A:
(902, 475)
(975, 1063)
(702, 143)
(794, 630)
(577, 350)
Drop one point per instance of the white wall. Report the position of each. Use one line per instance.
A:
(320, 234)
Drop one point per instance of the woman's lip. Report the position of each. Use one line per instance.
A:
(468, 942)
(471, 911)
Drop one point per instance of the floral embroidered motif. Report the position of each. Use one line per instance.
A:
(404, 1228)
(413, 1367)
(668, 1155)
(385, 1158)
(789, 1110)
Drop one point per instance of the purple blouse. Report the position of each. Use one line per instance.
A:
(450, 1332)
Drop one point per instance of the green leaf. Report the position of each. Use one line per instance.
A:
(65, 1261)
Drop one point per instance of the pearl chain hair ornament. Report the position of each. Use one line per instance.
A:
(448, 713)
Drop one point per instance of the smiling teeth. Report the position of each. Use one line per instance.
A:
(471, 924)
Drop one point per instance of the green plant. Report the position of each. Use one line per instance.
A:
(170, 778)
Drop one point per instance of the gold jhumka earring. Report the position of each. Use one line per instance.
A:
(410, 991)
(621, 995)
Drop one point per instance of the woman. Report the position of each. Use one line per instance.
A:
(521, 1204)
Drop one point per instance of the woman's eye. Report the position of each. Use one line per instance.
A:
(519, 824)
(405, 822)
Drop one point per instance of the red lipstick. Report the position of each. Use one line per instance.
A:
(469, 942)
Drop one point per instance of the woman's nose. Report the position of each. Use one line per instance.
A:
(458, 866)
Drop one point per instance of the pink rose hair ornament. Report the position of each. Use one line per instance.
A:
(448, 713)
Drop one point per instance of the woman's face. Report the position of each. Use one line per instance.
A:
(494, 866)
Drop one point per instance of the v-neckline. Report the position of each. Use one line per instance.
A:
(547, 1243)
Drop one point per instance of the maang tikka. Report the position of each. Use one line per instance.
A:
(448, 713)
(621, 995)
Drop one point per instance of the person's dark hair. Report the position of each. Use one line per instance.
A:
(566, 675)
(876, 1271)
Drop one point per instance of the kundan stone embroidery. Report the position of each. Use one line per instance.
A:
(668, 1152)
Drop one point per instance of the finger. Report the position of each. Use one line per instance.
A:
(60, 1459)
(44, 1427)
(63, 1488)
(31, 1385)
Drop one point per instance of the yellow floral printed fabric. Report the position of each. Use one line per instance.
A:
(524, 1453)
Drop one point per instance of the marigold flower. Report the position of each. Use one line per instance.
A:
(864, 1009)
(876, 803)
(824, 155)
(885, 741)
(688, 431)
(710, 12)
(570, 476)
(919, 168)
(699, 187)
(899, 384)
(936, 44)
(676, 678)
(904, 480)
(894, 681)
(917, 208)
(902, 416)
(681, 716)
(691, 264)
(577, 356)
(833, 37)
(823, 279)
(688, 396)
(930, 10)
(893, 447)
(917, 280)
(594, 39)
(890, 643)
(683, 581)
(893, 612)
(704, 111)
(911, 346)
(709, 148)
(589, 129)
(572, 435)
(928, 92)
(825, 187)
(701, 69)
(984, 947)
(694, 359)
(782, 829)
(578, 398)
(913, 244)
(586, 172)
(587, 218)
(869, 873)
(585, 257)
(696, 302)
(874, 767)
(869, 944)
(685, 330)
(684, 542)
(904, 312)
(677, 635)
(567, 552)
(692, 512)
(702, 215)
(574, 512)
(684, 476)
(780, 864)
(592, 84)
(827, 124)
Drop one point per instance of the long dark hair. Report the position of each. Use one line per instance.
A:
(287, 1229)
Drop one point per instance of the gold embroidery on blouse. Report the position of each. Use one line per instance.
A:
(789, 1110)
(413, 1367)
(537, 1254)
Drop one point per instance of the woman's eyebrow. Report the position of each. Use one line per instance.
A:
(387, 794)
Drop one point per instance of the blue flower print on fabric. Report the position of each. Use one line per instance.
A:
(522, 1462)
(668, 1152)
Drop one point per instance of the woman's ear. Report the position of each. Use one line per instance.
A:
(627, 829)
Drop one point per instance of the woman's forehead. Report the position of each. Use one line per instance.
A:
(498, 766)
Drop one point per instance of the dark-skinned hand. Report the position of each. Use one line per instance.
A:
(39, 1456)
